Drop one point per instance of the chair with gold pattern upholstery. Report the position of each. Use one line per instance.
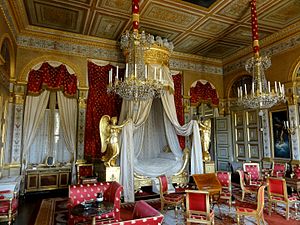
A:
(85, 173)
(253, 170)
(225, 179)
(8, 206)
(251, 189)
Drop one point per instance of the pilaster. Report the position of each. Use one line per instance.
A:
(294, 120)
(81, 123)
(19, 98)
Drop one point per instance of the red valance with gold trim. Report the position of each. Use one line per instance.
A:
(204, 93)
(51, 78)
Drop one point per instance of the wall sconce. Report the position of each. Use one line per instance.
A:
(290, 127)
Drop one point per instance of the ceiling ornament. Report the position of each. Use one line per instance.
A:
(147, 63)
(259, 95)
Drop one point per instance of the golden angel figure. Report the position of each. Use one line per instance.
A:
(109, 135)
(205, 129)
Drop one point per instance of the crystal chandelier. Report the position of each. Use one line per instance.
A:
(259, 95)
(146, 61)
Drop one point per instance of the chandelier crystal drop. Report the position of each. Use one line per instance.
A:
(147, 58)
(260, 95)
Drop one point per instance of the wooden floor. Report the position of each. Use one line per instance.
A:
(30, 203)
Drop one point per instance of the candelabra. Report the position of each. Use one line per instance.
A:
(290, 128)
(147, 62)
(260, 95)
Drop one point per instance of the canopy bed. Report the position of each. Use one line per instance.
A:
(152, 126)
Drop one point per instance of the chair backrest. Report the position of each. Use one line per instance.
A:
(163, 184)
(260, 199)
(242, 178)
(85, 170)
(278, 167)
(197, 200)
(277, 187)
(253, 169)
(225, 178)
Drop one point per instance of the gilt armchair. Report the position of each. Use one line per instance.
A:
(85, 192)
(251, 189)
(278, 169)
(277, 193)
(253, 170)
(85, 173)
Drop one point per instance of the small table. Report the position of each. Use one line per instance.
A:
(92, 210)
(294, 184)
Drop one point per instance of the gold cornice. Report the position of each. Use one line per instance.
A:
(196, 58)
(68, 37)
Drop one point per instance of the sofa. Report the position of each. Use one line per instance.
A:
(86, 192)
(143, 213)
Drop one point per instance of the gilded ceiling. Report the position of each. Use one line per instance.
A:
(217, 29)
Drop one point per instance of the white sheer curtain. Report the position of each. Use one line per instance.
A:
(50, 138)
(154, 125)
(68, 112)
(34, 111)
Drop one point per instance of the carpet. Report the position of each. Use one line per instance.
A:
(53, 211)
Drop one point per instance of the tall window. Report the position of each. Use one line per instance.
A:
(49, 140)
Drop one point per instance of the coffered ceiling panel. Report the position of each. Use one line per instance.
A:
(285, 14)
(244, 34)
(167, 15)
(162, 32)
(106, 26)
(189, 43)
(212, 28)
(122, 5)
(56, 16)
(220, 50)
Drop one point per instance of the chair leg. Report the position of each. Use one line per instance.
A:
(230, 203)
(162, 205)
(270, 208)
(238, 219)
(287, 211)
(243, 195)
(263, 218)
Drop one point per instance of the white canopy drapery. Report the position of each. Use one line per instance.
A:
(152, 127)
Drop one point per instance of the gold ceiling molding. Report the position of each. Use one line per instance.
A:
(58, 58)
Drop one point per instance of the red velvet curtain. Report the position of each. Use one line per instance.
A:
(177, 79)
(52, 78)
(99, 103)
(204, 93)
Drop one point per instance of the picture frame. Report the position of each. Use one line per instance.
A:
(280, 136)
(50, 161)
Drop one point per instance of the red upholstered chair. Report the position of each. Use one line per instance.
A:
(251, 189)
(85, 173)
(278, 169)
(296, 172)
(8, 205)
(169, 199)
(143, 213)
(198, 208)
(253, 170)
(85, 192)
(258, 213)
(277, 192)
(225, 179)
